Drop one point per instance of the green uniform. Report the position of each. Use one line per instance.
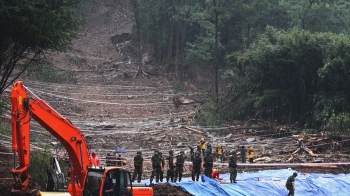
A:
(243, 154)
(208, 165)
(179, 164)
(156, 167)
(196, 167)
(138, 160)
(161, 171)
(233, 168)
(289, 185)
(170, 171)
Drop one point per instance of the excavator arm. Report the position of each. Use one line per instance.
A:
(25, 106)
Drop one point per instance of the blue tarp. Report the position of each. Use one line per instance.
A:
(269, 183)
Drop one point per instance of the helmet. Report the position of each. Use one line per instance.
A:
(139, 152)
(295, 174)
(198, 153)
(219, 145)
(209, 144)
(251, 148)
(202, 139)
(171, 152)
(156, 150)
(207, 151)
(109, 154)
(182, 151)
(233, 152)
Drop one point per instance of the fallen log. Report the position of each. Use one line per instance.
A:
(195, 130)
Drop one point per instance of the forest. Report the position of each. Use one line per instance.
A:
(284, 61)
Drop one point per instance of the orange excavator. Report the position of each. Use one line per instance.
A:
(85, 179)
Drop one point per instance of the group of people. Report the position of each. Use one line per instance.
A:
(175, 166)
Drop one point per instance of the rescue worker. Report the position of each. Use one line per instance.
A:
(251, 154)
(95, 161)
(199, 148)
(156, 164)
(290, 184)
(138, 167)
(243, 154)
(109, 161)
(208, 164)
(233, 166)
(191, 152)
(170, 166)
(119, 160)
(179, 166)
(216, 174)
(210, 148)
(219, 152)
(196, 166)
(161, 175)
(203, 146)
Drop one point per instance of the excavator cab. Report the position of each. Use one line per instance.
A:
(95, 180)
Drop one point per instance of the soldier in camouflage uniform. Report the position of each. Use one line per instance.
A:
(196, 166)
(179, 165)
(233, 166)
(156, 166)
(138, 167)
(170, 166)
(161, 174)
(208, 164)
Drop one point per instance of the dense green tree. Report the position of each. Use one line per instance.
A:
(30, 27)
(296, 74)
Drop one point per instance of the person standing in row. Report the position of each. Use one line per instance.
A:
(138, 167)
(233, 167)
(208, 164)
(170, 166)
(196, 166)
(203, 146)
(243, 154)
(251, 154)
(219, 152)
(179, 166)
(161, 174)
(290, 184)
(191, 152)
(156, 164)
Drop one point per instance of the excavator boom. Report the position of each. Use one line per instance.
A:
(26, 105)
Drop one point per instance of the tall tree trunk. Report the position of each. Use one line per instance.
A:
(216, 65)
(170, 41)
(182, 55)
(177, 49)
(138, 37)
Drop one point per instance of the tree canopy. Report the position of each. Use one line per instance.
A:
(30, 27)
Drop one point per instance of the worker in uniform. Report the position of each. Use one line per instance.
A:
(209, 147)
(156, 163)
(170, 166)
(161, 174)
(95, 161)
(251, 154)
(208, 164)
(179, 166)
(290, 184)
(196, 166)
(243, 154)
(233, 166)
(203, 146)
(219, 152)
(191, 152)
(109, 161)
(138, 167)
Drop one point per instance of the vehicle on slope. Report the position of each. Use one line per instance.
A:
(85, 179)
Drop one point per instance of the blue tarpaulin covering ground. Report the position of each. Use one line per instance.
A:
(269, 183)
